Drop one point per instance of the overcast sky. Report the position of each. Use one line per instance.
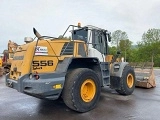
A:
(52, 17)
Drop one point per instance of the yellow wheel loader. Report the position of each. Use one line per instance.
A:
(75, 69)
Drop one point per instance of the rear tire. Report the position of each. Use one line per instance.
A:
(127, 81)
(81, 90)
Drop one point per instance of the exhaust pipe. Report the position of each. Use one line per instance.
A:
(36, 33)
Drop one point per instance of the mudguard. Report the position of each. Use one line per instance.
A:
(117, 68)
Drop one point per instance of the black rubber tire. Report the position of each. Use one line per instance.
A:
(72, 87)
(124, 89)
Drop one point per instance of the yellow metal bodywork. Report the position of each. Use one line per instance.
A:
(109, 58)
(22, 62)
(1, 68)
(0, 62)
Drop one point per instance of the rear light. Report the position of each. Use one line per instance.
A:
(36, 76)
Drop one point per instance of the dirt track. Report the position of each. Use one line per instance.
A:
(143, 104)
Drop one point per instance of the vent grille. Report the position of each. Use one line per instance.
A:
(67, 49)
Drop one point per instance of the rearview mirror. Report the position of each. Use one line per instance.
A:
(109, 37)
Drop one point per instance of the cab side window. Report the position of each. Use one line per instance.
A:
(99, 41)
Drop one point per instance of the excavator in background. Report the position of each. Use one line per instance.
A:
(8, 56)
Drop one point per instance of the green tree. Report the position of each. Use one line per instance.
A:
(149, 47)
(117, 36)
(112, 50)
(133, 55)
(125, 47)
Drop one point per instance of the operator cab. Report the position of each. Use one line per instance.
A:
(96, 40)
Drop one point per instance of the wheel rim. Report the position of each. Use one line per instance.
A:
(88, 90)
(130, 80)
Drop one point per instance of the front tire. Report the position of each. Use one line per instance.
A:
(81, 90)
(127, 81)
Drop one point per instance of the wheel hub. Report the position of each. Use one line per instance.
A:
(88, 90)
(130, 80)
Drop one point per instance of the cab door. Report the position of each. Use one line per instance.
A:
(99, 45)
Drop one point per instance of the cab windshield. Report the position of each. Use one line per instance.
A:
(80, 34)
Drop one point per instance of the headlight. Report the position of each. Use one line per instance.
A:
(116, 67)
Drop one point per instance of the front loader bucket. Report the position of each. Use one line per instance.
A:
(144, 74)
